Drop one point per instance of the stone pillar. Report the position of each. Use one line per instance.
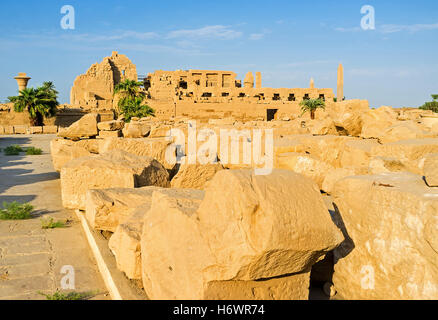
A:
(340, 94)
(249, 80)
(312, 83)
(22, 80)
(258, 80)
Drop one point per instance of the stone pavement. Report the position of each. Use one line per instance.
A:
(31, 258)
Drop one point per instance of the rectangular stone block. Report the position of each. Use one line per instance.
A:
(2, 130)
(110, 134)
(21, 129)
(36, 130)
(50, 129)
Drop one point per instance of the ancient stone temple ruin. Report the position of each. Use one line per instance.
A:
(200, 94)
(95, 89)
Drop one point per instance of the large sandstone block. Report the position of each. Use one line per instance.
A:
(113, 125)
(260, 227)
(136, 129)
(334, 176)
(63, 151)
(106, 209)
(85, 127)
(404, 131)
(322, 127)
(21, 129)
(195, 176)
(391, 252)
(376, 121)
(151, 147)
(114, 169)
(306, 165)
(431, 170)
(109, 134)
(50, 129)
(348, 115)
(9, 130)
(36, 130)
(358, 154)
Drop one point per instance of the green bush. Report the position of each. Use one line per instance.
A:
(13, 150)
(69, 296)
(32, 151)
(16, 211)
(433, 105)
(134, 108)
(50, 223)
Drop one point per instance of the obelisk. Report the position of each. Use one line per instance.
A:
(340, 94)
(258, 80)
(312, 83)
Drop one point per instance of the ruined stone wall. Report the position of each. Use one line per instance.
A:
(95, 89)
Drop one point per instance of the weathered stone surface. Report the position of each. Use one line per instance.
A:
(86, 127)
(305, 164)
(2, 130)
(348, 115)
(322, 127)
(380, 165)
(404, 131)
(195, 176)
(392, 226)
(159, 130)
(376, 121)
(260, 227)
(173, 251)
(36, 130)
(136, 129)
(9, 129)
(50, 129)
(109, 134)
(114, 169)
(63, 151)
(113, 125)
(151, 147)
(106, 209)
(21, 129)
(358, 154)
(334, 176)
(431, 170)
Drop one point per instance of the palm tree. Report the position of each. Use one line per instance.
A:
(128, 90)
(40, 102)
(311, 105)
(135, 108)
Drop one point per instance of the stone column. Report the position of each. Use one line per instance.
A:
(340, 94)
(258, 80)
(249, 80)
(22, 80)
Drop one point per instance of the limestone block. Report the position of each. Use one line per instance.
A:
(358, 154)
(380, 165)
(159, 130)
(334, 176)
(404, 131)
(113, 125)
(260, 227)
(106, 209)
(110, 134)
(50, 129)
(431, 170)
(348, 115)
(63, 151)
(391, 224)
(305, 164)
(21, 129)
(85, 127)
(9, 130)
(114, 169)
(136, 129)
(151, 147)
(322, 127)
(36, 130)
(195, 176)
(2, 130)
(375, 122)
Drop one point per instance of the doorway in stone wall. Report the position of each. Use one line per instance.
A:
(270, 114)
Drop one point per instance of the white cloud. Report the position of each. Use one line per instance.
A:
(391, 28)
(259, 36)
(207, 32)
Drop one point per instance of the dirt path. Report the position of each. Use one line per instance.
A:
(31, 258)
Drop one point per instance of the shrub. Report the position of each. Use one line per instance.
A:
(433, 105)
(50, 223)
(13, 150)
(134, 108)
(16, 211)
(32, 151)
(69, 296)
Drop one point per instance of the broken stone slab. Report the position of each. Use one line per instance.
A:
(63, 151)
(113, 125)
(113, 169)
(404, 131)
(195, 176)
(109, 134)
(431, 170)
(358, 154)
(85, 127)
(136, 129)
(391, 227)
(260, 227)
(334, 176)
(306, 165)
(151, 147)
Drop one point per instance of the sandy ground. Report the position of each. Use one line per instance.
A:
(31, 258)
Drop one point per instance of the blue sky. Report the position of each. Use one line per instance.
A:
(288, 41)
